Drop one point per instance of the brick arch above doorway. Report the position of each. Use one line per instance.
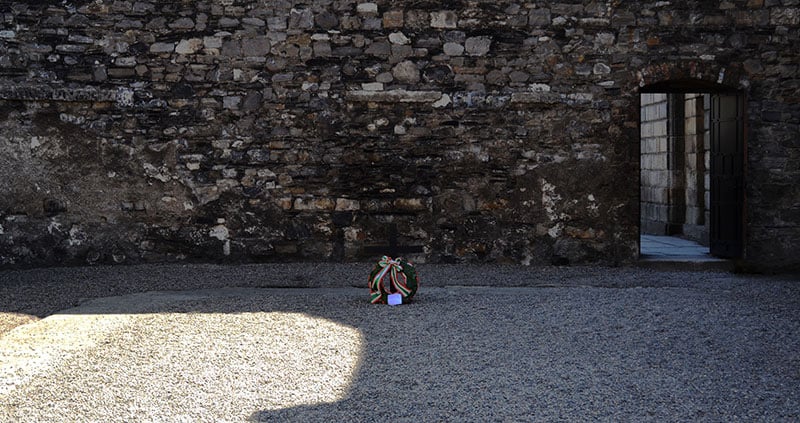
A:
(692, 76)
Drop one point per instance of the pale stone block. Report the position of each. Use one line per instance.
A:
(372, 24)
(444, 19)
(453, 49)
(601, 69)
(394, 96)
(228, 22)
(231, 102)
(190, 46)
(410, 204)
(443, 102)
(256, 46)
(399, 38)
(182, 23)
(372, 86)
(406, 71)
(162, 48)
(384, 77)
(314, 204)
(370, 9)
(346, 204)
(539, 17)
(322, 49)
(212, 42)
(277, 23)
(301, 19)
(393, 19)
(478, 46)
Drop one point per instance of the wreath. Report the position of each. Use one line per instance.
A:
(392, 276)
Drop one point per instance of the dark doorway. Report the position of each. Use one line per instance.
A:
(693, 151)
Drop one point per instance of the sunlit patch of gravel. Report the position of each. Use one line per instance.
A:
(183, 365)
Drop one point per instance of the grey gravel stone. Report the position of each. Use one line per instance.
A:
(543, 344)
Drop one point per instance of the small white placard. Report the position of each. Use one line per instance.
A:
(395, 299)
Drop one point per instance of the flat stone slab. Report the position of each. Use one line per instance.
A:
(394, 96)
(721, 347)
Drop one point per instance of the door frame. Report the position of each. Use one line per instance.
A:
(705, 87)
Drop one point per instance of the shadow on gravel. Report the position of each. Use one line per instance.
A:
(674, 346)
(469, 354)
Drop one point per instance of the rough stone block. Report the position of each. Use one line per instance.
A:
(232, 48)
(379, 49)
(372, 24)
(226, 22)
(231, 102)
(162, 48)
(395, 96)
(372, 86)
(367, 9)
(444, 19)
(539, 17)
(478, 46)
(399, 38)
(255, 46)
(314, 204)
(453, 49)
(190, 46)
(182, 24)
(346, 204)
(785, 16)
(301, 19)
(406, 71)
(326, 20)
(277, 23)
(393, 19)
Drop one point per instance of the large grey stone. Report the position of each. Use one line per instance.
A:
(326, 20)
(444, 19)
(189, 46)
(453, 49)
(478, 46)
(406, 71)
(256, 46)
(301, 19)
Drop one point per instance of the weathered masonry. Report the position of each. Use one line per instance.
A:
(458, 131)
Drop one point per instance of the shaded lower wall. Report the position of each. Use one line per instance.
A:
(463, 185)
(474, 132)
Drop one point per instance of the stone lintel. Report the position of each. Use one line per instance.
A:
(393, 96)
(542, 98)
(42, 92)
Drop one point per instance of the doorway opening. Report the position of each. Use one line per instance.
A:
(692, 155)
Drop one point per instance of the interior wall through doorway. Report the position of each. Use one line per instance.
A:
(675, 157)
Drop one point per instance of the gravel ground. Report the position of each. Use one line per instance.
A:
(218, 343)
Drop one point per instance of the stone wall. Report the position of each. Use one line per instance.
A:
(244, 130)
(656, 179)
(697, 165)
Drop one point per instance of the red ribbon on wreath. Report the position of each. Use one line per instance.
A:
(398, 282)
